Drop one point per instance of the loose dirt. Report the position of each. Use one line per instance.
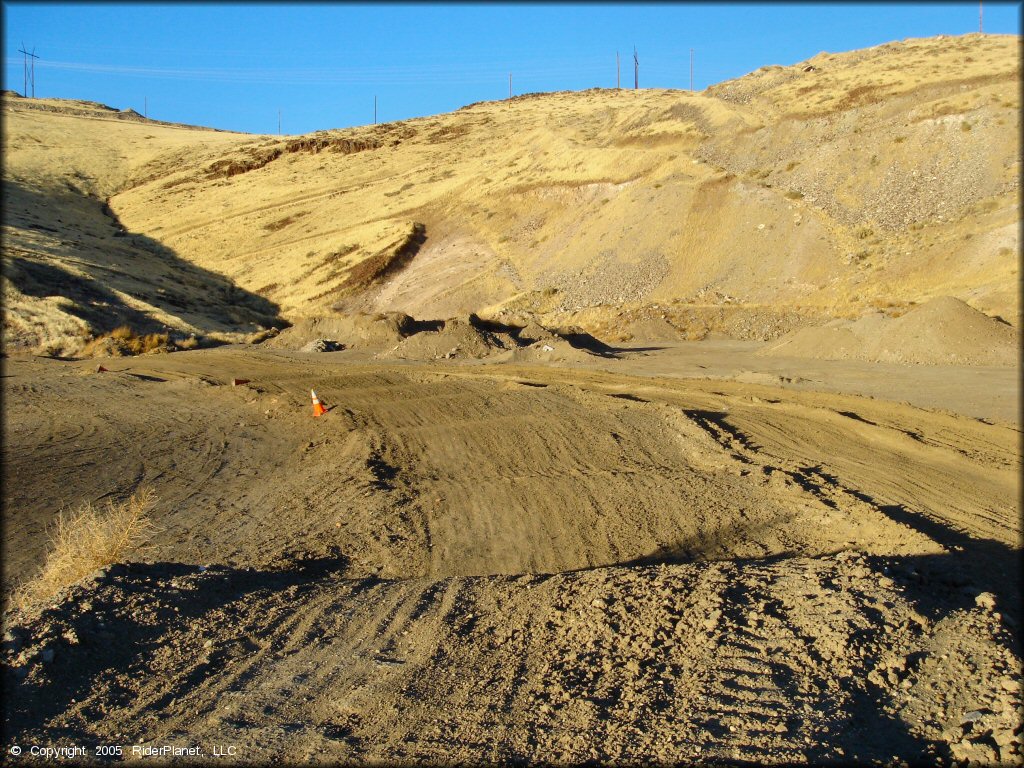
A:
(436, 569)
(941, 331)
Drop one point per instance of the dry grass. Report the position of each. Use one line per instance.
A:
(125, 341)
(86, 539)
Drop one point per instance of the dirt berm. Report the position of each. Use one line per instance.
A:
(943, 331)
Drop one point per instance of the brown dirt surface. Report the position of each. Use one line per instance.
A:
(623, 459)
(512, 562)
(943, 331)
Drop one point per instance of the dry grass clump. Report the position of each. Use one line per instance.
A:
(86, 539)
(125, 341)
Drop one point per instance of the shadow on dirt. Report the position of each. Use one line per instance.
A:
(124, 617)
(116, 263)
(936, 586)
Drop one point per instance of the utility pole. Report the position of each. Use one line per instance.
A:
(981, 16)
(636, 70)
(29, 74)
(691, 69)
(618, 71)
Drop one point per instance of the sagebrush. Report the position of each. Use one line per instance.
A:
(88, 538)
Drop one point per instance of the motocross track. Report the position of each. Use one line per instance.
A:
(436, 569)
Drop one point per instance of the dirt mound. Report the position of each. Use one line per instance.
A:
(460, 337)
(652, 329)
(615, 666)
(533, 332)
(373, 331)
(944, 331)
(561, 565)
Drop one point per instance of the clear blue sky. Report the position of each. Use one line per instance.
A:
(234, 66)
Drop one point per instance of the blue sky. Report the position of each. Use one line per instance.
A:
(233, 66)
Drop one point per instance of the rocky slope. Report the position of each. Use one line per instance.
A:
(848, 183)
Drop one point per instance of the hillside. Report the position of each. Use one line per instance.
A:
(853, 182)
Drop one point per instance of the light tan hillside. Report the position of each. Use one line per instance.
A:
(874, 180)
(70, 268)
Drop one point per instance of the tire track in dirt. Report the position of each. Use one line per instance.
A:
(720, 593)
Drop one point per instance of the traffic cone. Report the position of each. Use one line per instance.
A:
(318, 410)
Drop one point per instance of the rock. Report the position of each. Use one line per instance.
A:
(13, 639)
(323, 345)
(986, 600)
(712, 620)
(597, 602)
(1009, 684)
(973, 716)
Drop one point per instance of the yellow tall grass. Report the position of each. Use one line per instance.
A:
(89, 538)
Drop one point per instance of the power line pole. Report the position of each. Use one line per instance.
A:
(618, 71)
(29, 70)
(691, 69)
(636, 70)
(981, 16)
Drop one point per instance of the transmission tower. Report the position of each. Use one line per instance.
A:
(29, 70)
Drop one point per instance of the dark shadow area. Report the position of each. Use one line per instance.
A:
(936, 586)
(113, 260)
(627, 396)
(716, 424)
(111, 638)
(410, 326)
(856, 417)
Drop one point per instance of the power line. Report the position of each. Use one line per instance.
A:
(25, 64)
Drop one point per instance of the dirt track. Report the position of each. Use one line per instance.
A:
(437, 570)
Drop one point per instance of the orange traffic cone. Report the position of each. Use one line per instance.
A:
(318, 410)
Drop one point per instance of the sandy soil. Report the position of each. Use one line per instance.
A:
(438, 570)
(783, 543)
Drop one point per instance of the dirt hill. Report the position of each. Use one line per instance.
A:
(847, 183)
(944, 331)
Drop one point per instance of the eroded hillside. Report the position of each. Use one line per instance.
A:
(868, 180)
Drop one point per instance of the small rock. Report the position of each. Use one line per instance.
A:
(985, 600)
(973, 716)
(597, 602)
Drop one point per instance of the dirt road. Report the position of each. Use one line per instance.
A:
(509, 562)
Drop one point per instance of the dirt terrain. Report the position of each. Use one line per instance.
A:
(492, 561)
(661, 426)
